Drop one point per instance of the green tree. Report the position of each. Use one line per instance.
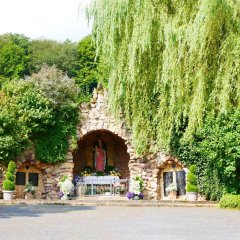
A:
(52, 53)
(86, 77)
(61, 92)
(172, 63)
(13, 56)
(215, 150)
(41, 109)
(24, 111)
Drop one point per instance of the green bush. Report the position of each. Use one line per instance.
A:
(10, 176)
(192, 180)
(215, 152)
(11, 167)
(8, 183)
(230, 201)
(193, 169)
(191, 188)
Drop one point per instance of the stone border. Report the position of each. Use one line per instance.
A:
(107, 202)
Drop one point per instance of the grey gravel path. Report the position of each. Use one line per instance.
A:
(115, 223)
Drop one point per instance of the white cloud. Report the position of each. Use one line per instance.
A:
(55, 19)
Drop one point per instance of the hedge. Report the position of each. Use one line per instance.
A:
(230, 201)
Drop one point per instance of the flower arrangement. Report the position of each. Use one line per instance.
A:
(172, 187)
(109, 171)
(87, 171)
(66, 188)
(115, 172)
(29, 188)
(80, 186)
(136, 185)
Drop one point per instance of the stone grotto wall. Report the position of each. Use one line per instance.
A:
(97, 121)
(96, 117)
(49, 174)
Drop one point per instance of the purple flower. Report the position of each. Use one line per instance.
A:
(140, 196)
(61, 194)
(130, 195)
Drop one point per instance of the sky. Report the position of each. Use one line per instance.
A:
(52, 19)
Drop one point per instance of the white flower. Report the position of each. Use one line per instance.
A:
(135, 186)
(66, 187)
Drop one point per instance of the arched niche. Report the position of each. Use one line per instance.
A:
(171, 171)
(115, 147)
(28, 172)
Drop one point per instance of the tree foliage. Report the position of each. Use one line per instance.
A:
(64, 56)
(86, 77)
(20, 56)
(13, 56)
(35, 108)
(172, 63)
(175, 73)
(215, 150)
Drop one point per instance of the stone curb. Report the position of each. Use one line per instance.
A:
(110, 203)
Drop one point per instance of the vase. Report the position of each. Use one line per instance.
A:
(136, 197)
(192, 196)
(65, 197)
(7, 195)
(172, 195)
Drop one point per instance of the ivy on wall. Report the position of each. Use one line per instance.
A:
(215, 150)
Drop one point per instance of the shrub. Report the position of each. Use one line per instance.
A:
(192, 180)
(10, 176)
(191, 188)
(11, 167)
(215, 151)
(8, 183)
(230, 201)
(30, 188)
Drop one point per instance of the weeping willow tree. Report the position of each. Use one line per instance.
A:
(172, 63)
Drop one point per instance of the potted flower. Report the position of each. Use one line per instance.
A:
(192, 188)
(29, 191)
(172, 191)
(135, 192)
(80, 186)
(66, 188)
(8, 183)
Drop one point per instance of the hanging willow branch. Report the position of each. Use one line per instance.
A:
(173, 62)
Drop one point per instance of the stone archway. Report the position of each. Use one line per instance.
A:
(116, 151)
(95, 118)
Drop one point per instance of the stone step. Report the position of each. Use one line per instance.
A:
(87, 201)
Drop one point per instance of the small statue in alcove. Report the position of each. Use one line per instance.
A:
(99, 157)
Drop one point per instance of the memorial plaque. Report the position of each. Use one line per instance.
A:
(20, 178)
(33, 178)
(181, 183)
(168, 179)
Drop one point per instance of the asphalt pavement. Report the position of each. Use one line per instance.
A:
(58, 222)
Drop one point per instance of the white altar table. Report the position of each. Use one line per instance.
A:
(95, 182)
(100, 180)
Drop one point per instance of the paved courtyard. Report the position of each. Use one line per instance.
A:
(112, 223)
